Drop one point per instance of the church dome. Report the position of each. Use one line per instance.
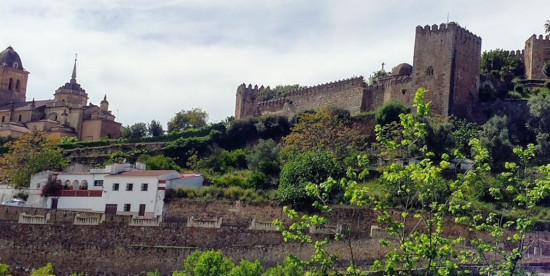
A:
(402, 69)
(10, 58)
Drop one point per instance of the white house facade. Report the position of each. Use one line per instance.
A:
(116, 189)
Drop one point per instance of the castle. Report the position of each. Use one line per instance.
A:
(446, 62)
(67, 115)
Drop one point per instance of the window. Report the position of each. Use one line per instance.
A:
(127, 207)
(144, 186)
(430, 71)
(3, 119)
(98, 183)
(115, 186)
(17, 85)
(10, 85)
(20, 117)
(129, 187)
(84, 185)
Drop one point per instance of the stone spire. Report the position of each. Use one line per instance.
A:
(104, 105)
(73, 76)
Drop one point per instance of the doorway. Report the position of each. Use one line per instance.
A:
(141, 210)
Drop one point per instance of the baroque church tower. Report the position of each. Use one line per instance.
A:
(67, 115)
(13, 77)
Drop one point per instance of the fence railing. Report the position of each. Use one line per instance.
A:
(192, 222)
(81, 193)
(24, 218)
(141, 221)
(260, 225)
(88, 219)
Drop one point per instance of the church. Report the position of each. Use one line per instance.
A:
(67, 115)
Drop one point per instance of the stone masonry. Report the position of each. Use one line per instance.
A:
(446, 62)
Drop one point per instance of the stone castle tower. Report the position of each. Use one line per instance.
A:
(13, 77)
(446, 63)
(537, 52)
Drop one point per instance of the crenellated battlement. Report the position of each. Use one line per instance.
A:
(243, 88)
(320, 88)
(518, 54)
(539, 38)
(462, 33)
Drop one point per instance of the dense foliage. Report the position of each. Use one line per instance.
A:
(31, 153)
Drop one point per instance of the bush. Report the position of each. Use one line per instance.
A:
(389, 112)
(313, 167)
(231, 179)
(257, 180)
(486, 93)
(215, 193)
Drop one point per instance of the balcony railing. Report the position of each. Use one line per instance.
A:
(141, 221)
(81, 193)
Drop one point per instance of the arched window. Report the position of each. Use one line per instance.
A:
(67, 185)
(17, 85)
(52, 116)
(20, 117)
(10, 84)
(84, 185)
(76, 185)
(15, 65)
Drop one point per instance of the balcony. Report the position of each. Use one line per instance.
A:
(81, 193)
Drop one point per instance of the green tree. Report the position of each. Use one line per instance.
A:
(501, 64)
(377, 75)
(29, 154)
(496, 138)
(521, 192)
(304, 168)
(207, 263)
(329, 129)
(158, 162)
(155, 128)
(135, 131)
(389, 112)
(46, 270)
(185, 119)
(4, 270)
(247, 268)
(265, 158)
(462, 132)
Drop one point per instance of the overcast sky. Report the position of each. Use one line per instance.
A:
(155, 58)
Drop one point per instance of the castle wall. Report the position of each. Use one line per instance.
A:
(115, 247)
(398, 88)
(347, 94)
(536, 54)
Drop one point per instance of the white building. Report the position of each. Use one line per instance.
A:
(116, 189)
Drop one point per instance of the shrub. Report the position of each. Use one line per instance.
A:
(486, 93)
(389, 112)
(313, 167)
(257, 180)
